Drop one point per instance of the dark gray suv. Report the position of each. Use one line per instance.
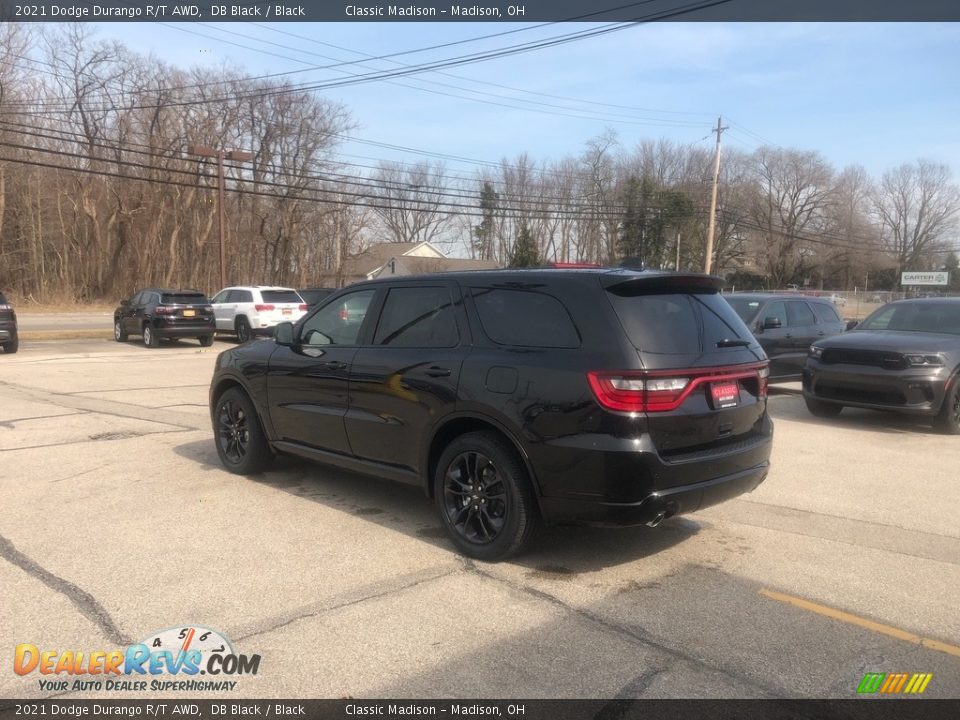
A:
(786, 325)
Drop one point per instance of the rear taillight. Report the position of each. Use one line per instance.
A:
(660, 391)
(304, 306)
(208, 309)
(164, 310)
(263, 308)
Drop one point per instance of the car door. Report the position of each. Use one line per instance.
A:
(405, 380)
(776, 341)
(803, 330)
(219, 303)
(126, 313)
(137, 312)
(308, 383)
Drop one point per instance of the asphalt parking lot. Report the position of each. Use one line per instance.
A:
(117, 521)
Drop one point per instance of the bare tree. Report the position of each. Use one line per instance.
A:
(409, 201)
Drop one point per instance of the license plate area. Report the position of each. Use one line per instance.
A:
(725, 394)
(288, 311)
(189, 313)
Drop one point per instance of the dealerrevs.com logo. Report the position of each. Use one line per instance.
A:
(170, 660)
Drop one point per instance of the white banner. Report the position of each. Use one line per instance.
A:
(924, 278)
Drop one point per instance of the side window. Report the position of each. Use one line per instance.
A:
(240, 296)
(220, 297)
(417, 317)
(525, 318)
(777, 310)
(150, 298)
(800, 314)
(337, 323)
(826, 313)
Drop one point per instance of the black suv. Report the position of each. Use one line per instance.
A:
(162, 313)
(610, 397)
(786, 325)
(9, 339)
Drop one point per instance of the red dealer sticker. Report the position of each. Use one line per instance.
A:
(725, 394)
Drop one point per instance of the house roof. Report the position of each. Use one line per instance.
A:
(408, 265)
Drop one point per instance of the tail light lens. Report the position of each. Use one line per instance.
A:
(656, 391)
(164, 310)
(208, 309)
(263, 308)
(304, 306)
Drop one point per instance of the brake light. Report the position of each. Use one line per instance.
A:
(763, 375)
(304, 306)
(263, 308)
(164, 310)
(208, 308)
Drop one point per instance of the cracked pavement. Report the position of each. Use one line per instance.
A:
(117, 521)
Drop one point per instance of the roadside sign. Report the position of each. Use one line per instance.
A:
(924, 278)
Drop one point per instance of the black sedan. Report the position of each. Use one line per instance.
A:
(904, 357)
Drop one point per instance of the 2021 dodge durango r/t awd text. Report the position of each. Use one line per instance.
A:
(904, 357)
(610, 397)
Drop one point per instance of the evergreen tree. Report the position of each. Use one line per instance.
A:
(483, 233)
(525, 252)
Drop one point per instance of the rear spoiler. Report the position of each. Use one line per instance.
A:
(625, 282)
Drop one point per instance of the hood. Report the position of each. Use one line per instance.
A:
(893, 341)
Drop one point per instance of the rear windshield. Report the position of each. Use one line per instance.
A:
(184, 299)
(745, 307)
(281, 296)
(916, 317)
(678, 322)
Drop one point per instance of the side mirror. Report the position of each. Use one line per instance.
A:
(283, 334)
(851, 324)
(772, 323)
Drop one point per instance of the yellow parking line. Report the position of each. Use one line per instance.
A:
(862, 622)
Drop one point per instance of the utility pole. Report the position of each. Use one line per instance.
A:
(235, 155)
(677, 266)
(708, 260)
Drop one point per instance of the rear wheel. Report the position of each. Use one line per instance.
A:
(206, 340)
(484, 496)
(243, 329)
(822, 409)
(119, 334)
(12, 345)
(949, 418)
(241, 443)
(150, 338)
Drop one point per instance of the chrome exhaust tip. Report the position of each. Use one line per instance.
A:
(658, 519)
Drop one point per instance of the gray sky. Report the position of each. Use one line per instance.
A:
(876, 94)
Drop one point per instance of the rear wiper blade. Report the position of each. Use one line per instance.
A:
(734, 343)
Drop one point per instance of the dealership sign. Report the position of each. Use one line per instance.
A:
(924, 278)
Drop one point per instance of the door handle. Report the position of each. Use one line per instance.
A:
(438, 372)
(334, 365)
(821, 333)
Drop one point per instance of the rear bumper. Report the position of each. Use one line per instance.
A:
(168, 328)
(656, 506)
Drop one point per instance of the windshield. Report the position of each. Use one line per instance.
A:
(745, 307)
(943, 318)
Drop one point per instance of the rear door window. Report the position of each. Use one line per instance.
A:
(799, 314)
(673, 323)
(826, 313)
(240, 296)
(417, 317)
(525, 318)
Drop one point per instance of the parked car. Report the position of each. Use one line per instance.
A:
(611, 397)
(314, 296)
(9, 335)
(165, 314)
(785, 326)
(256, 310)
(904, 357)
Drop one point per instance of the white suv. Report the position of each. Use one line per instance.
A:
(255, 310)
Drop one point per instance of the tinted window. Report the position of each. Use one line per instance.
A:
(281, 296)
(220, 296)
(525, 318)
(671, 322)
(240, 296)
(339, 323)
(800, 314)
(417, 317)
(776, 310)
(826, 313)
(184, 299)
(315, 296)
(745, 307)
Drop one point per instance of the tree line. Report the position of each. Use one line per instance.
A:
(99, 193)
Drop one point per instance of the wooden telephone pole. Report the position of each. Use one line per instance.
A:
(708, 260)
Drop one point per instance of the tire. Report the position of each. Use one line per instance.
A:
(243, 329)
(119, 334)
(150, 338)
(206, 340)
(11, 346)
(494, 518)
(821, 409)
(238, 434)
(948, 421)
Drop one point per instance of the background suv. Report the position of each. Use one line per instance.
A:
(785, 326)
(589, 396)
(255, 310)
(163, 313)
(9, 338)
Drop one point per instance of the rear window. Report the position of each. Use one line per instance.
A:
(184, 299)
(525, 318)
(678, 322)
(826, 313)
(280, 296)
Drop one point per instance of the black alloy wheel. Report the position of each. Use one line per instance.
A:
(206, 340)
(484, 496)
(243, 329)
(949, 418)
(241, 444)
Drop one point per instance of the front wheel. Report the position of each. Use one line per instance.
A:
(821, 409)
(949, 418)
(484, 496)
(119, 334)
(241, 443)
